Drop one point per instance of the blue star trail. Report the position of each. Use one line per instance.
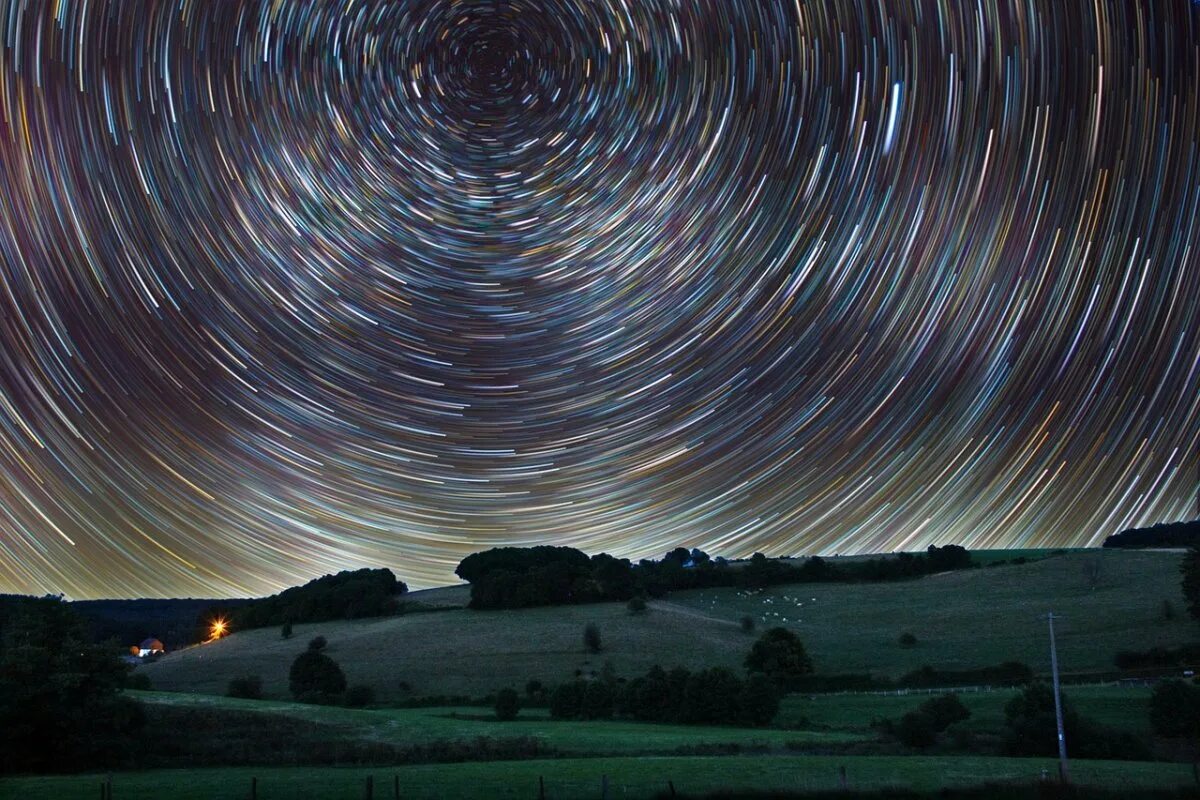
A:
(288, 287)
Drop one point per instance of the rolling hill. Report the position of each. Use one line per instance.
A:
(964, 619)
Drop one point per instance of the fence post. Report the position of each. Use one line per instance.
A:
(370, 787)
(254, 788)
(541, 787)
(603, 787)
(671, 786)
(396, 786)
(843, 784)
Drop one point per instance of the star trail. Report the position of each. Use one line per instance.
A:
(288, 287)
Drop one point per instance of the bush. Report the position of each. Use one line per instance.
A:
(945, 710)
(508, 705)
(1175, 709)
(747, 624)
(359, 695)
(907, 640)
(248, 687)
(285, 632)
(316, 678)
(920, 728)
(317, 644)
(591, 638)
(533, 688)
(779, 654)
(636, 605)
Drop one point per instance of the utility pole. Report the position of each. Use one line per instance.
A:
(1058, 713)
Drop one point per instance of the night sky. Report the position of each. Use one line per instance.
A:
(288, 287)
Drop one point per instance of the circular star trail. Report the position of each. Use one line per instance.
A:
(288, 286)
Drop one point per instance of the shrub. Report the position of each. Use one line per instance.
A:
(317, 644)
(316, 678)
(248, 687)
(747, 624)
(359, 695)
(779, 654)
(636, 605)
(591, 638)
(907, 640)
(920, 728)
(533, 688)
(1175, 709)
(945, 710)
(508, 705)
(285, 632)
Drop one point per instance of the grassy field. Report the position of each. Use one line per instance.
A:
(411, 726)
(629, 778)
(846, 627)
(974, 618)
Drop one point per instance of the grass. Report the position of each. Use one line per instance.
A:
(847, 628)
(630, 778)
(425, 725)
(973, 618)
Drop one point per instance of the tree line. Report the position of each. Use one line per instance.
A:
(524, 577)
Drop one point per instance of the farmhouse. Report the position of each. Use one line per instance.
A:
(148, 647)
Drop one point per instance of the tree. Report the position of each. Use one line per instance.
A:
(920, 727)
(591, 638)
(566, 700)
(1175, 709)
(248, 687)
(508, 705)
(286, 631)
(1190, 569)
(596, 701)
(779, 654)
(759, 701)
(316, 678)
(61, 705)
(945, 710)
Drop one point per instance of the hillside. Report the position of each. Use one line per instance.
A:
(848, 628)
